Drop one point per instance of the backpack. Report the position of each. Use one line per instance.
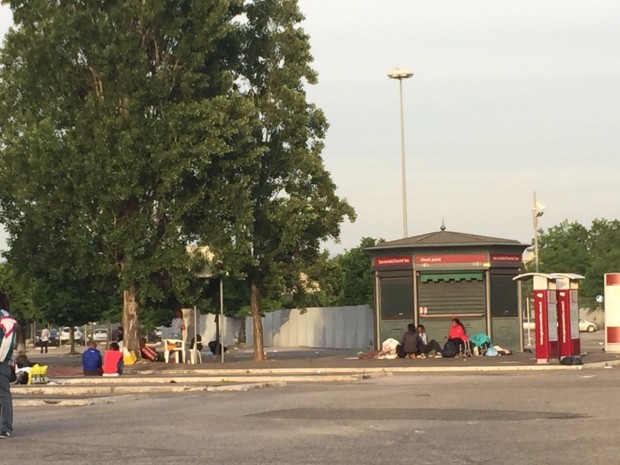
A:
(450, 349)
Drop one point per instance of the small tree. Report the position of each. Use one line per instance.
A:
(294, 204)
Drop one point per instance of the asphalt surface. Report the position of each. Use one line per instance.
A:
(556, 417)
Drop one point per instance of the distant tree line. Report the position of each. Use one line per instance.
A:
(591, 252)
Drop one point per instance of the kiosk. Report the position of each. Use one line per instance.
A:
(545, 315)
(431, 278)
(567, 294)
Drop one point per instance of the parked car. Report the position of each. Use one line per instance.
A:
(65, 335)
(587, 326)
(584, 325)
(99, 335)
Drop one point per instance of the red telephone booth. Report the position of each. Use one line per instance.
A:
(545, 315)
(567, 294)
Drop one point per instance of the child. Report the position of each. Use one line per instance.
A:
(113, 361)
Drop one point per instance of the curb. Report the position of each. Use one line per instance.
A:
(223, 378)
(375, 370)
(133, 389)
(109, 400)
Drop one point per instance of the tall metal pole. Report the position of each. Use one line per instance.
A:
(535, 214)
(538, 210)
(401, 74)
(222, 319)
(402, 160)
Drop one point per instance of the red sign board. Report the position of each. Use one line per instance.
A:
(390, 261)
(506, 258)
(477, 259)
(612, 279)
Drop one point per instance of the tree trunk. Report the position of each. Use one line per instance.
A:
(241, 336)
(130, 320)
(20, 339)
(257, 324)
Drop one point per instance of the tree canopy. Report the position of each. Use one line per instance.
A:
(294, 203)
(591, 252)
(123, 140)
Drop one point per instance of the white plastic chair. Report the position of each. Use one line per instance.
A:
(194, 355)
(176, 351)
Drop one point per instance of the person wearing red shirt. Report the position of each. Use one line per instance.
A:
(457, 331)
(113, 361)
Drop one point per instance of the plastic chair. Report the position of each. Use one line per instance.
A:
(194, 355)
(174, 346)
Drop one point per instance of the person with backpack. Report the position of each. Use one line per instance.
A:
(457, 337)
(8, 328)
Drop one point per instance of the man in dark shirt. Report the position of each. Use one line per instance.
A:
(411, 344)
(91, 360)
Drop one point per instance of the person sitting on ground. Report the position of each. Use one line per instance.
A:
(22, 369)
(113, 361)
(411, 344)
(457, 337)
(428, 346)
(91, 360)
(148, 353)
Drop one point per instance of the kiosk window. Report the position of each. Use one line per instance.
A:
(396, 298)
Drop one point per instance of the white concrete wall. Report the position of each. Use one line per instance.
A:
(330, 327)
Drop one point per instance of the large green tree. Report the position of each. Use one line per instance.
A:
(122, 139)
(295, 206)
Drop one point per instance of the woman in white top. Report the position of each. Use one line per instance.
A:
(45, 338)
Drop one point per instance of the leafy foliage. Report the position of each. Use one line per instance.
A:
(294, 204)
(122, 141)
(571, 247)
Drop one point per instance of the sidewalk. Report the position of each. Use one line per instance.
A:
(303, 360)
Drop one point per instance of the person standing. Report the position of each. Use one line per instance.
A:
(45, 338)
(8, 328)
(177, 326)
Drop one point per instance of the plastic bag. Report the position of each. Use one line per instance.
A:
(129, 358)
(38, 375)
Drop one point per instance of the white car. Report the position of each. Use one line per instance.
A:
(585, 326)
(65, 334)
(99, 335)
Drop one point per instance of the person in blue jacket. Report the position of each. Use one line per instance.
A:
(91, 360)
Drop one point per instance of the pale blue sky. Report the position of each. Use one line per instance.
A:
(507, 98)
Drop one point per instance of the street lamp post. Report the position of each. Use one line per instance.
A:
(538, 209)
(401, 74)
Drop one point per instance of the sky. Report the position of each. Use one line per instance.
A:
(507, 99)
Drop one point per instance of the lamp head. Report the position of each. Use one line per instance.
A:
(399, 74)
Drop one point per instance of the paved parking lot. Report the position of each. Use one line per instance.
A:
(566, 417)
